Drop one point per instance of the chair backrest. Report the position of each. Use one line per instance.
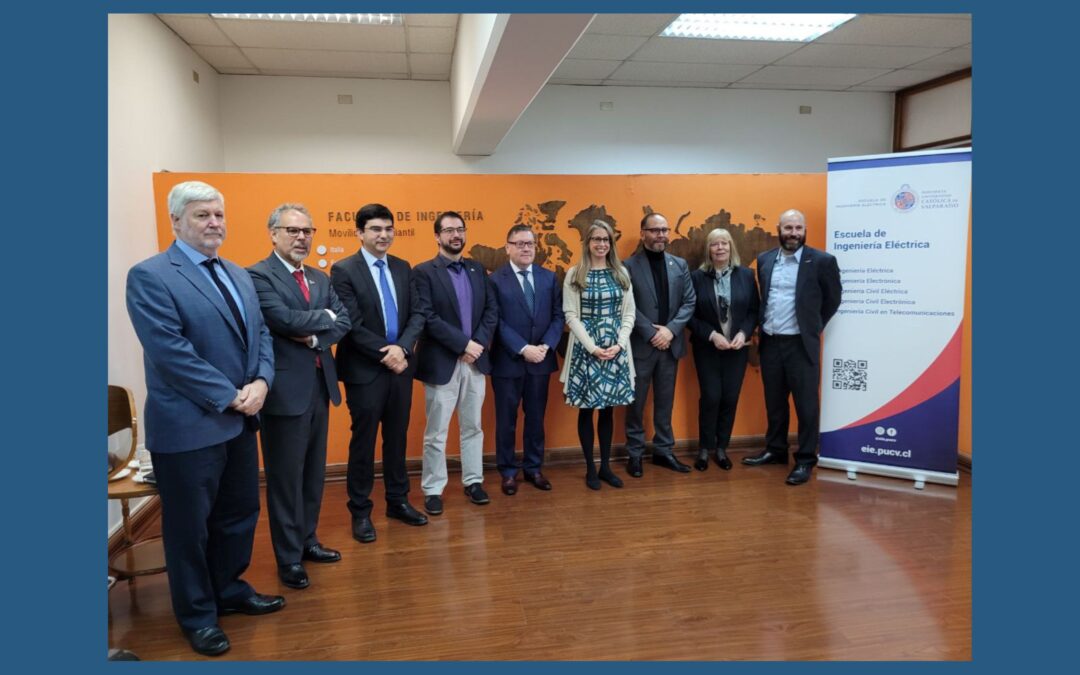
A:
(121, 417)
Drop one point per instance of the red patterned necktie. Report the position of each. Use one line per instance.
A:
(299, 276)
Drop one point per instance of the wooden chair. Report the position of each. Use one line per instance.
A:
(135, 558)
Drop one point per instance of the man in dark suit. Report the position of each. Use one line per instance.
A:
(305, 318)
(376, 362)
(209, 363)
(457, 301)
(523, 358)
(664, 297)
(800, 292)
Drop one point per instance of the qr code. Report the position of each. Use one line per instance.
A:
(849, 374)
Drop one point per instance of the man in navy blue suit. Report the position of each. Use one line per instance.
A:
(209, 363)
(523, 357)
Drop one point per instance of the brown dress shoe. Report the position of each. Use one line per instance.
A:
(538, 480)
(509, 485)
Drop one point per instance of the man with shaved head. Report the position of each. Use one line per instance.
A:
(800, 292)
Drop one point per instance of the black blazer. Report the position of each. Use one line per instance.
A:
(288, 315)
(442, 341)
(817, 294)
(358, 355)
(743, 310)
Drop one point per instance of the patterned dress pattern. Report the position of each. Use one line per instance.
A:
(593, 383)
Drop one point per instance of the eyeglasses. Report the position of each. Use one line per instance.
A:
(379, 230)
(657, 230)
(522, 245)
(295, 232)
(600, 240)
(452, 230)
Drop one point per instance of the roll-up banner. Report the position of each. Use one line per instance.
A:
(890, 384)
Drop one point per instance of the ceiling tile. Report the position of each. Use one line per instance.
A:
(868, 88)
(430, 64)
(223, 57)
(864, 56)
(605, 46)
(449, 20)
(900, 31)
(681, 72)
(954, 59)
(429, 76)
(629, 24)
(806, 77)
(905, 78)
(196, 29)
(787, 87)
(333, 36)
(330, 61)
(575, 82)
(585, 69)
(430, 40)
(691, 50)
(320, 72)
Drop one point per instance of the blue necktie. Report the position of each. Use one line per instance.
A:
(389, 306)
(530, 297)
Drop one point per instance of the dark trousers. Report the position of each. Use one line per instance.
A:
(209, 507)
(786, 370)
(720, 378)
(385, 401)
(658, 369)
(294, 457)
(530, 392)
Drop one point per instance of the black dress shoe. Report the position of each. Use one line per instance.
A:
(405, 512)
(509, 485)
(702, 461)
(800, 474)
(633, 466)
(765, 457)
(254, 604)
(476, 494)
(320, 554)
(722, 460)
(433, 504)
(208, 641)
(538, 480)
(592, 481)
(293, 575)
(670, 462)
(363, 530)
(610, 478)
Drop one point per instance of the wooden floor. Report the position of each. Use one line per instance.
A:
(707, 566)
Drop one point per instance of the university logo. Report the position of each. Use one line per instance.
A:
(904, 199)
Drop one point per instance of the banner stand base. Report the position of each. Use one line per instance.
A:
(919, 476)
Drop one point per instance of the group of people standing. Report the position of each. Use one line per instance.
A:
(230, 352)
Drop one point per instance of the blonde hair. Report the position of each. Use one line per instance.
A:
(719, 233)
(580, 279)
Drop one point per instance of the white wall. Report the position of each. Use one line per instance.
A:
(276, 124)
(159, 118)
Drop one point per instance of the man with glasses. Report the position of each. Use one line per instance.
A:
(800, 292)
(664, 297)
(209, 363)
(376, 362)
(305, 318)
(457, 301)
(523, 357)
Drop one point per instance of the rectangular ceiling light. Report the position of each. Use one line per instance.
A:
(780, 27)
(367, 19)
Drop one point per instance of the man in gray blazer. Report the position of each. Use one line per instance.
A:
(664, 297)
(305, 318)
(209, 364)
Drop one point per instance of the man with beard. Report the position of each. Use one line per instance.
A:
(377, 364)
(457, 301)
(305, 318)
(800, 292)
(664, 297)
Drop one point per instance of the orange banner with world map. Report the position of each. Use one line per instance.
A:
(559, 208)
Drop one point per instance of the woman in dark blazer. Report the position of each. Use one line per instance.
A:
(724, 318)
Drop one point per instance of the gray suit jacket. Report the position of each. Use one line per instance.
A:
(681, 299)
(195, 356)
(288, 315)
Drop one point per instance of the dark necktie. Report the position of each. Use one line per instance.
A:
(530, 296)
(302, 283)
(389, 306)
(209, 263)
